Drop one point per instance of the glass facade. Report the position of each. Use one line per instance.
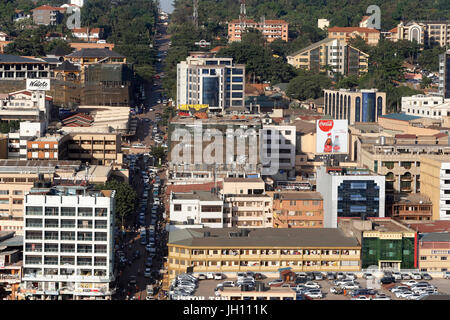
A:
(368, 107)
(358, 198)
(376, 249)
(358, 109)
(211, 91)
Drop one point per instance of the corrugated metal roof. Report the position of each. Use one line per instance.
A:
(400, 116)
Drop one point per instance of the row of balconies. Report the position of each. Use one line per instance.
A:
(259, 256)
(267, 268)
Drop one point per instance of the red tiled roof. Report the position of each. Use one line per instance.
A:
(364, 18)
(440, 135)
(405, 136)
(430, 226)
(85, 30)
(352, 29)
(49, 8)
(28, 93)
(192, 187)
(237, 21)
(394, 30)
(217, 49)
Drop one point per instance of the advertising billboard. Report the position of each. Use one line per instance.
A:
(194, 107)
(38, 84)
(332, 136)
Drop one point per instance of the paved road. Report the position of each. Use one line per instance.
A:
(131, 243)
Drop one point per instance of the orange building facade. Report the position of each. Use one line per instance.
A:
(271, 29)
(297, 210)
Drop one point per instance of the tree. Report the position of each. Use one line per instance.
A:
(158, 153)
(308, 86)
(425, 82)
(125, 197)
(349, 82)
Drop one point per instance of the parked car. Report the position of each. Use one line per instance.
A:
(361, 298)
(426, 276)
(381, 297)
(397, 275)
(276, 283)
(406, 276)
(218, 276)
(403, 294)
(336, 290)
(318, 276)
(350, 275)
(147, 272)
(331, 275)
(314, 294)
(410, 282)
(446, 275)
(312, 285)
(340, 275)
(228, 284)
(201, 276)
(416, 276)
(368, 275)
(350, 286)
(387, 280)
(398, 289)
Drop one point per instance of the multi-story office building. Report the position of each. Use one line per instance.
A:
(286, 136)
(434, 252)
(10, 264)
(265, 250)
(399, 161)
(435, 183)
(337, 54)
(428, 33)
(297, 209)
(51, 147)
(202, 208)
(385, 243)
(97, 148)
(444, 74)
(370, 36)
(48, 15)
(68, 243)
(270, 29)
(20, 68)
(246, 204)
(355, 106)
(17, 141)
(206, 80)
(25, 106)
(350, 192)
(426, 106)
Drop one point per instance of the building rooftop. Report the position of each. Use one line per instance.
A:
(243, 180)
(9, 58)
(442, 158)
(15, 241)
(95, 53)
(413, 198)
(298, 195)
(436, 237)
(339, 171)
(74, 189)
(429, 226)
(197, 195)
(270, 238)
(400, 116)
(42, 166)
(352, 29)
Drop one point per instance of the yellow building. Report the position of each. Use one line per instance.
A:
(98, 148)
(435, 183)
(434, 252)
(231, 250)
(370, 36)
(334, 53)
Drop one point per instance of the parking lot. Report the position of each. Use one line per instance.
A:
(206, 287)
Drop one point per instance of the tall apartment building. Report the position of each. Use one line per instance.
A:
(201, 208)
(297, 209)
(69, 243)
(48, 15)
(370, 36)
(265, 250)
(434, 252)
(20, 68)
(355, 106)
(350, 192)
(428, 33)
(211, 81)
(426, 106)
(444, 74)
(343, 58)
(50, 147)
(246, 204)
(270, 29)
(435, 183)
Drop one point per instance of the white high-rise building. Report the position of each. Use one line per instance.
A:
(68, 243)
(216, 82)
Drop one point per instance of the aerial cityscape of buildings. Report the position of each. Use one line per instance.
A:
(124, 180)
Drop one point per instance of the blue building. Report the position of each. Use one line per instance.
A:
(355, 106)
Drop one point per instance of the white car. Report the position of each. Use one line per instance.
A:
(415, 296)
(147, 273)
(403, 294)
(368, 276)
(209, 275)
(228, 284)
(381, 297)
(351, 276)
(314, 294)
(218, 276)
(312, 285)
(397, 275)
(416, 276)
(398, 289)
(410, 282)
(360, 298)
(350, 286)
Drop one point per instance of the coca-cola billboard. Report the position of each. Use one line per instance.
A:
(331, 136)
(38, 84)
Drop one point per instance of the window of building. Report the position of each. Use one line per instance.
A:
(177, 207)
